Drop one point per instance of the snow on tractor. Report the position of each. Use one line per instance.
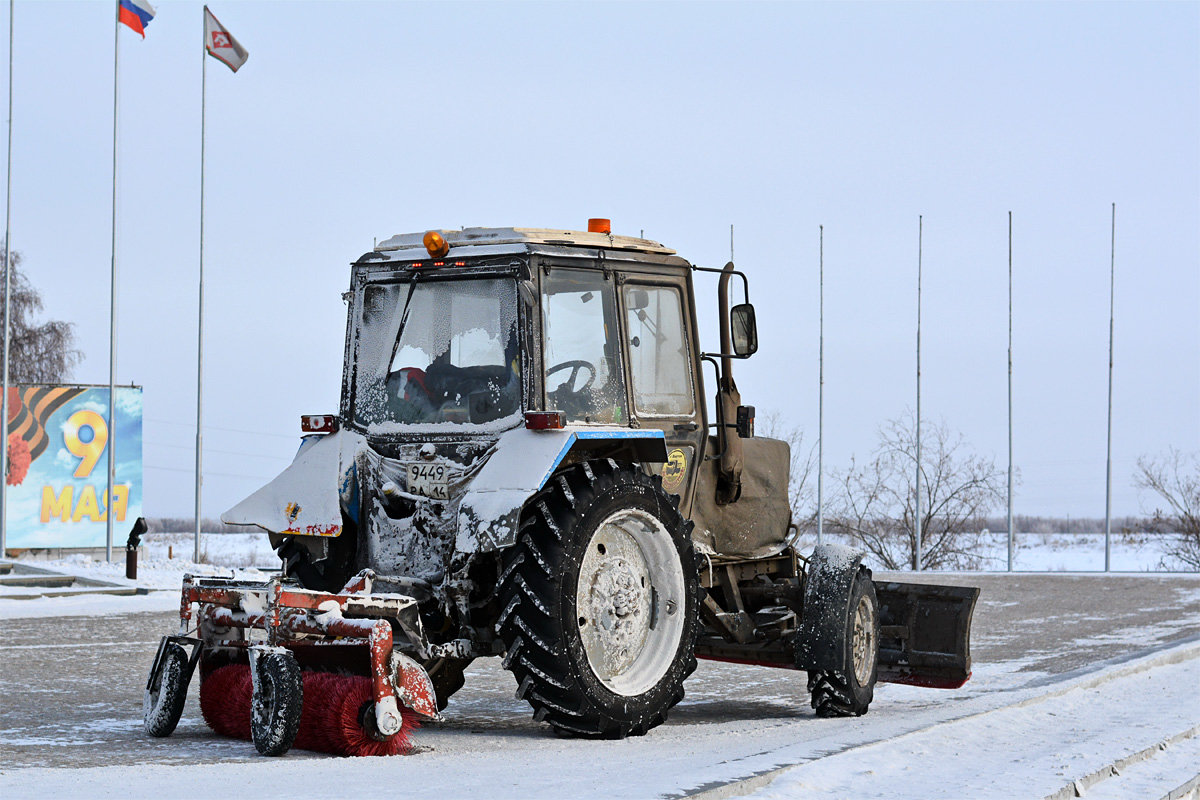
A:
(525, 466)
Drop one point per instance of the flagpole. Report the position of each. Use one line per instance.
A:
(917, 549)
(112, 311)
(7, 288)
(821, 399)
(1112, 285)
(1010, 404)
(200, 323)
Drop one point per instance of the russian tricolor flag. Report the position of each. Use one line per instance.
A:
(136, 14)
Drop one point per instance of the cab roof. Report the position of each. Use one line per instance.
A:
(473, 241)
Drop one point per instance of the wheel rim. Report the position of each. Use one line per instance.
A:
(154, 697)
(262, 705)
(629, 602)
(864, 640)
(266, 697)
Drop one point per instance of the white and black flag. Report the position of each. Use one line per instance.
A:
(220, 43)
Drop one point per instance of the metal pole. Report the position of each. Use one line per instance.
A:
(821, 403)
(731, 241)
(200, 324)
(1112, 283)
(112, 311)
(1010, 403)
(7, 291)
(917, 550)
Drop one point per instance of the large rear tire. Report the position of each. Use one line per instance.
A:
(848, 692)
(599, 602)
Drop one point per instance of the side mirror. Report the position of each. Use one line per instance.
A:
(639, 299)
(744, 329)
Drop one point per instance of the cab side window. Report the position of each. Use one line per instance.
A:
(580, 353)
(658, 351)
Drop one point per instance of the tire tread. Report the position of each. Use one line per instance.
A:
(529, 584)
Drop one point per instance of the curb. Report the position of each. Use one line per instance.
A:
(1175, 655)
(1078, 787)
(58, 584)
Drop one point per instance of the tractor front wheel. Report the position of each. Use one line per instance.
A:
(599, 602)
(447, 676)
(848, 692)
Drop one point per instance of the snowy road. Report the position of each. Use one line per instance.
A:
(1103, 667)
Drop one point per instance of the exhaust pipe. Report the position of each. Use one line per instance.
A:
(729, 481)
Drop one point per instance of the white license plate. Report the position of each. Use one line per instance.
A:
(429, 480)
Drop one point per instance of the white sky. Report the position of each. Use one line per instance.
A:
(352, 121)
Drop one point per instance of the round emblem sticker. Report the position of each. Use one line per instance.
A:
(674, 470)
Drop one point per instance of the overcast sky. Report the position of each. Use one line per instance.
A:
(356, 121)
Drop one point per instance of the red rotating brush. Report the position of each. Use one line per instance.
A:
(225, 700)
(337, 715)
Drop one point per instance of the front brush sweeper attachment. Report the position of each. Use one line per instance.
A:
(323, 676)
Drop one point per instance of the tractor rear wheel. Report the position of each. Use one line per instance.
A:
(599, 602)
(848, 692)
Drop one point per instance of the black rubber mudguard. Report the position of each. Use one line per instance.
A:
(925, 633)
(821, 637)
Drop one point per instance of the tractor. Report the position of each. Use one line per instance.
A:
(527, 463)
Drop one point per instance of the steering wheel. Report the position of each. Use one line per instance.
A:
(574, 366)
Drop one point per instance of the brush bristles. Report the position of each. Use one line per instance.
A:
(330, 719)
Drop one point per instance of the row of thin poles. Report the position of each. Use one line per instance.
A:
(112, 343)
(112, 333)
(916, 564)
(112, 330)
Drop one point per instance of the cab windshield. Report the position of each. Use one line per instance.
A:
(437, 352)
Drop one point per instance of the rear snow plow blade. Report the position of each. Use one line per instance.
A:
(925, 633)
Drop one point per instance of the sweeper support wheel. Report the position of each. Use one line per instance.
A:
(167, 685)
(277, 701)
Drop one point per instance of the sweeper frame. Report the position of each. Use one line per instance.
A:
(293, 622)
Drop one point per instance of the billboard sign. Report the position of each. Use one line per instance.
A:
(58, 442)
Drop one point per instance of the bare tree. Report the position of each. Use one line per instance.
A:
(802, 492)
(38, 353)
(874, 505)
(1175, 478)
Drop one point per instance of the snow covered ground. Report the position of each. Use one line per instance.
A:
(1034, 747)
(1030, 738)
(1073, 673)
(1067, 552)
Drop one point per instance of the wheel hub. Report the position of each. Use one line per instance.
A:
(864, 640)
(615, 607)
(630, 583)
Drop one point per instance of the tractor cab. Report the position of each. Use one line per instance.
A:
(461, 335)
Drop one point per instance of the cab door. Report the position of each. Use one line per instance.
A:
(662, 375)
